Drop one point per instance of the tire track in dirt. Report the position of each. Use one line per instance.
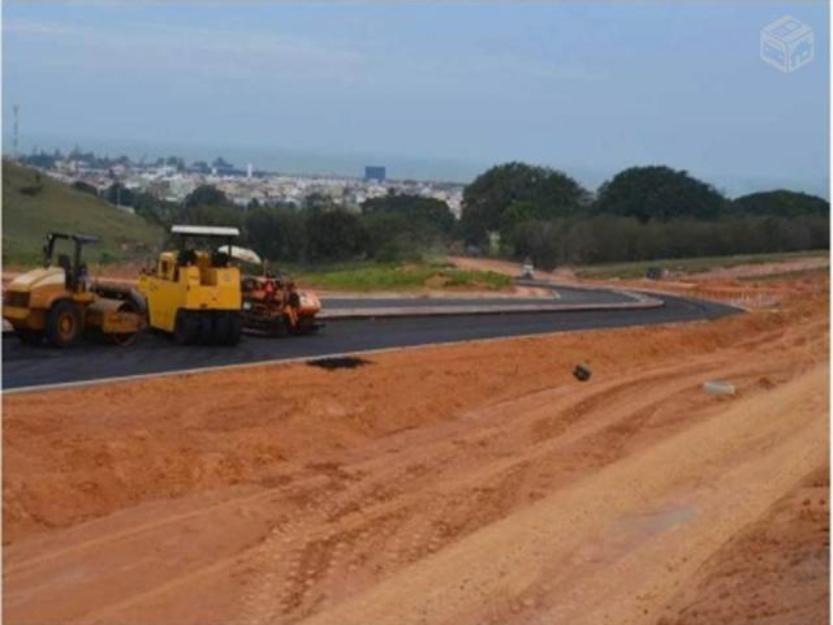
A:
(509, 558)
(328, 502)
(467, 505)
(300, 487)
(317, 535)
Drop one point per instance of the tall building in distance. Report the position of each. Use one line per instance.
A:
(374, 172)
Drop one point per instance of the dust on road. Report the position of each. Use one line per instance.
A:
(476, 483)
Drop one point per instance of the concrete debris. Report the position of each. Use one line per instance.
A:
(719, 387)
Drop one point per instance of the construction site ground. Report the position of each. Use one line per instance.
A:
(474, 483)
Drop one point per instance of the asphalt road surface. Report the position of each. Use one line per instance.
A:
(26, 366)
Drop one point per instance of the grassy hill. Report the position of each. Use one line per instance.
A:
(34, 204)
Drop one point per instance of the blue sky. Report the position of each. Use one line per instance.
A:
(589, 88)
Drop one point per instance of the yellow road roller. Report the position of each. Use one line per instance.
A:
(194, 292)
(60, 302)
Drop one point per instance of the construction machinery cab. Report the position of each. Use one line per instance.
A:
(189, 252)
(76, 273)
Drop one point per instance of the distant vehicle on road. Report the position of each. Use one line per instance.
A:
(656, 273)
(528, 270)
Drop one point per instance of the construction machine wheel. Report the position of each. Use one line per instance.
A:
(236, 328)
(222, 328)
(186, 327)
(63, 323)
(206, 328)
(29, 337)
(227, 328)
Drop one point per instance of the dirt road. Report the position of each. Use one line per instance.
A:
(467, 484)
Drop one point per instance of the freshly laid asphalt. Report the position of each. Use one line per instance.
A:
(25, 366)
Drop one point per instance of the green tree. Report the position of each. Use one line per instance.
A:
(781, 203)
(206, 195)
(154, 209)
(319, 203)
(209, 206)
(334, 235)
(206, 215)
(393, 236)
(658, 192)
(415, 209)
(120, 195)
(542, 191)
(275, 233)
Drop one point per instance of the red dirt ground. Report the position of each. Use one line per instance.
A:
(477, 483)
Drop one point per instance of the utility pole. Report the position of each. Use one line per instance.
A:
(15, 130)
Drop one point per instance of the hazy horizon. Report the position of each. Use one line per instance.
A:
(430, 91)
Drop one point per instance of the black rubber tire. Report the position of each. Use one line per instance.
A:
(222, 328)
(186, 328)
(29, 337)
(236, 328)
(206, 328)
(63, 323)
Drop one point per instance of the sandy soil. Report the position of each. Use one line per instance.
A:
(478, 483)
(780, 562)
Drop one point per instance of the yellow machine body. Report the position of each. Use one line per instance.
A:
(195, 286)
(30, 296)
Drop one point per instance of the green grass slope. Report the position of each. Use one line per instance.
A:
(371, 276)
(34, 204)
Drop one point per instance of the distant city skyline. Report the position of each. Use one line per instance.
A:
(429, 91)
(398, 167)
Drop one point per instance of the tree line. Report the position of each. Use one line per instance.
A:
(640, 213)
(518, 210)
(395, 227)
